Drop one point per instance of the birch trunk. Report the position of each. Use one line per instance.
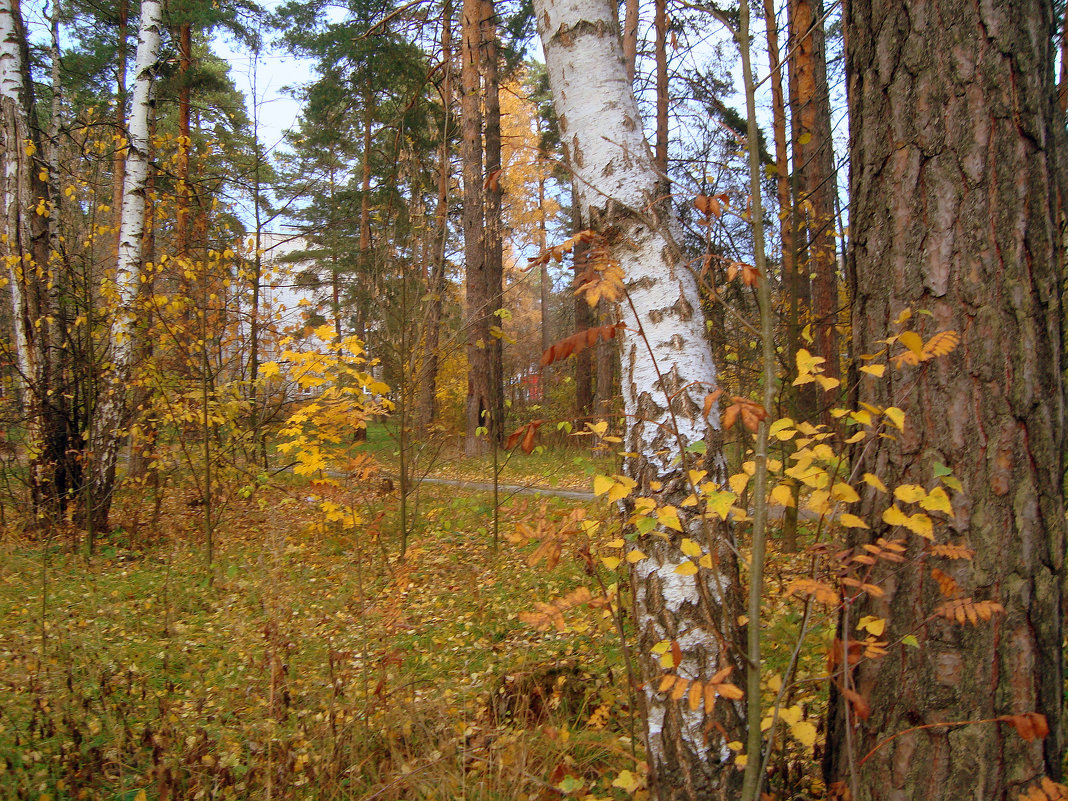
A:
(27, 209)
(110, 412)
(666, 370)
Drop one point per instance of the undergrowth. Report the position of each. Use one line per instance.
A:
(312, 665)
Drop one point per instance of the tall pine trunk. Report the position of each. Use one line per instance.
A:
(667, 369)
(953, 212)
(814, 164)
(477, 404)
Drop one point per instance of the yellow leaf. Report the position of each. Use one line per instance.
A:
(804, 732)
(873, 625)
(910, 493)
(851, 521)
(686, 569)
(626, 781)
(782, 495)
(691, 500)
(904, 317)
(912, 341)
(937, 501)
(696, 476)
(737, 483)
(806, 362)
(616, 543)
(782, 429)
(690, 548)
(601, 484)
(611, 562)
(845, 493)
(790, 715)
(876, 370)
(873, 480)
(635, 556)
(828, 383)
(921, 524)
(621, 489)
(598, 428)
(895, 517)
(668, 517)
(897, 417)
(705, 561)
(856, 437)
(269, 369)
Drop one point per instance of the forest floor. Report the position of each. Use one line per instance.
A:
(309, 660)
(312, 660)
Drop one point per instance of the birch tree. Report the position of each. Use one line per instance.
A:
(110, 412)
(29, 250)
(666, 372)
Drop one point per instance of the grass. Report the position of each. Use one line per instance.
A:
(566, 465)
(307, 663)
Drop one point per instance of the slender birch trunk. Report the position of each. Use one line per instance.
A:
(30, 245)
(110, 412)
(667, 369)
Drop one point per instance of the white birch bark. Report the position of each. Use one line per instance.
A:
(666, 372)
(15, 192)
(111, 406)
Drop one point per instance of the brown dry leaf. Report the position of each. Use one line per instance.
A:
(947, 585)
(965, 610)
(695, 697)
(820, 592)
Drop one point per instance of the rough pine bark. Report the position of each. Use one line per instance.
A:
(814, 164)
(494, 193)
(477, 303)
(666, 370)
(111, 409)
(426, 402)
(953, 212)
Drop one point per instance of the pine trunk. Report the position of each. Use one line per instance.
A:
(814, 163)
(953, 213)
(667, 369)
(477, 320)
(494, 251)
(426, 403)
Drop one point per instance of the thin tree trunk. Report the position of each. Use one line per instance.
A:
(667, 369)
(477, 321)
(660, 23)
(583, 320)
(630, 37)
(954, 212)
(185, 143)
(110, 411)
(427, 400)
(494, 250)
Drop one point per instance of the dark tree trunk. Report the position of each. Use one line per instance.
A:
(477, 320)
(426, 404)
(953, 212)
(494, 251)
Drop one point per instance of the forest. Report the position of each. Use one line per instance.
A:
(578, 399)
